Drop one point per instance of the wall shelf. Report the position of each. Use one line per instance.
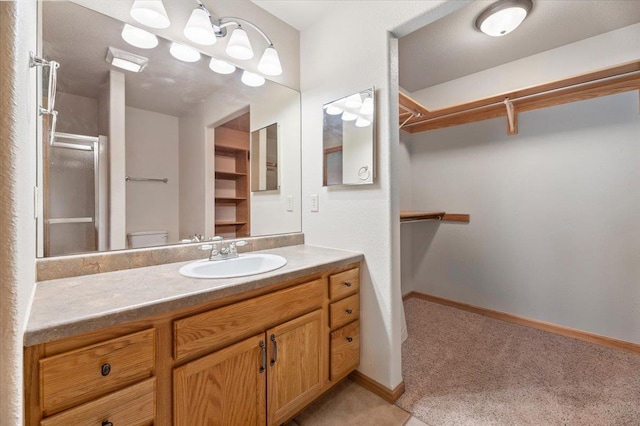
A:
(415, 118)
(229, 175)
(229, 223)
(414, 216)
(230, 199)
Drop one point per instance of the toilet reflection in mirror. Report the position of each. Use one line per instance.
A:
(264, 159)
(348, 140)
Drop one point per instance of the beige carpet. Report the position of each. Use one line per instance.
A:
(462, 368)
(352, 405)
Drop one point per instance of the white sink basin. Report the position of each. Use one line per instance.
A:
(245, 264)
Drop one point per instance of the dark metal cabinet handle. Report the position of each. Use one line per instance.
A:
(349, 311)
(105, 369)
(275, 350)
(106, 423)
(348, 284)
(349, 339)
(263, 363)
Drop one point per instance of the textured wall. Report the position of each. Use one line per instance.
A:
(346, 52)
(17, 179)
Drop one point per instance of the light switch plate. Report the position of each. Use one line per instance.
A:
(289, 203)
(314, 203)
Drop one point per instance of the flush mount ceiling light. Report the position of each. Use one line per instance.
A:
(139, 38)
(503, 17)
(125, 60)
(239, 45)
(150, 13)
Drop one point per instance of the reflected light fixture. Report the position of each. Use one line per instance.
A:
(348, 116)
(139, 38)
(354, 101)
(221, 67)
(334, 110)
(239, 46)
(184, 53)
(503, 17)
(367, 106)
(150, 13)
(252, 79)
(362, 122)
(125, 60)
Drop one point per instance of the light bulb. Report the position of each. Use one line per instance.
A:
(354, 101)
(184, 53)
(348, 116)
(150, 13)
(221, 67)
(139, 38)
(251, 79)
(270, 62)
(199, 29)
(239, 46)
(362, 122)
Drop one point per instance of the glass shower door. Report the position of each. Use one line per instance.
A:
(71, 202)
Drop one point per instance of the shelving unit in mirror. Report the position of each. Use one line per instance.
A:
(232, 215)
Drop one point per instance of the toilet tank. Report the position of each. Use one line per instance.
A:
(147, 238)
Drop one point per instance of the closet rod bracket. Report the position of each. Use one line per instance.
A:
(512, 117)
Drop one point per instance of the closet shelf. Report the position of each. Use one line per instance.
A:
(229, 200)
(414, 216)
(415, 118)
(229, 223)
(229, 175)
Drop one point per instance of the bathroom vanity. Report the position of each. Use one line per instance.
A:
(149, 346)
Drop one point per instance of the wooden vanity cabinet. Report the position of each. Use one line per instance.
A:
(255, 359)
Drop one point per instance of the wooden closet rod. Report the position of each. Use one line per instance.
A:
(603, 82)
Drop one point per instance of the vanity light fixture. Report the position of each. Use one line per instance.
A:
(150, 13)
(252, 79)
(362, 122)
(239, 45)
(221, 67)
(125, 60)
(138, 37)
(348, 116)
(184, 53)
(367, 106)
(503, 17)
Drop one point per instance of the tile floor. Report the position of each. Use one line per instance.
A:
(352, 405)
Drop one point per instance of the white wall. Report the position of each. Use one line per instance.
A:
(117, 162)
(77, 114)
(553, 233)
(152, 152)
(18, 112)
(341, 54)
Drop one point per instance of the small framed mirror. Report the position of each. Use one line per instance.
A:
(264, 159)
(348, 140)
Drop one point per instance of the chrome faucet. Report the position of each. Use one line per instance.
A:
(225, 250)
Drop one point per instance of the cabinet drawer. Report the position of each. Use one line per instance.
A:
(345, 350)
(81, 375)
(220, 327)
(344, 283)
(132, 406)
(344, 311)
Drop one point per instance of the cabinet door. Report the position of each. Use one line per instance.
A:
(295, 363)
(222, 389)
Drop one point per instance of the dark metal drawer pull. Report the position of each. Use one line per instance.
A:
(349, 339)
(349, 311)
(275, 350)
(106, 423)
(348, 284)
(105, 370)
(263, 363)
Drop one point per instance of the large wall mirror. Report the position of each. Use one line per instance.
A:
(159, 156)
(348, 140)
